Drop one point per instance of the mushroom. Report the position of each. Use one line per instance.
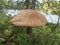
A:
(29, 18)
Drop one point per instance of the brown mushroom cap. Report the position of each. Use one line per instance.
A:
(30, 18)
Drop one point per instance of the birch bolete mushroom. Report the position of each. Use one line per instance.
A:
(29, 18)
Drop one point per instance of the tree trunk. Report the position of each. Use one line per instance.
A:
(33, 4)
(27, 4)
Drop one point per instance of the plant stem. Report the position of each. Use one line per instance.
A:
(29, 31)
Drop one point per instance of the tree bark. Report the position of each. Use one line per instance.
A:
(33, 4)
(27, 4)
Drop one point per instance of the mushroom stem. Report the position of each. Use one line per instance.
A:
(29, 31)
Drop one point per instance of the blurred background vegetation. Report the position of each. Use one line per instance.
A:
(13, 35)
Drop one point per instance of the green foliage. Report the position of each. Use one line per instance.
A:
(50, 7)
(17, 35)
